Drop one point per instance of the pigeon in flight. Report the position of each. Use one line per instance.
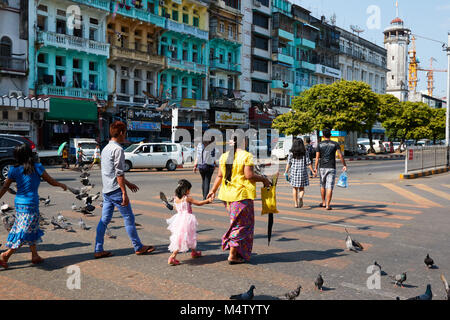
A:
(428, 261)
(85, 182)
(244, 296)
(293, 294)
(163, 198)
(352, 245)
(319, 282)
(428, 295)
(85, 175)
(399, 279)
(447, 289)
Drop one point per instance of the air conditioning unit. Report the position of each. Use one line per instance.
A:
(15, 93)
(124, 73)
(256, 3)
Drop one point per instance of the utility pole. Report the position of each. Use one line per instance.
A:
(447, 124)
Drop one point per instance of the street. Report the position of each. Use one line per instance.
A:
(397, 221)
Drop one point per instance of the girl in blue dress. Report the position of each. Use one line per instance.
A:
(27, 174)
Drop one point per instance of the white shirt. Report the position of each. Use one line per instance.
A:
(206, 156)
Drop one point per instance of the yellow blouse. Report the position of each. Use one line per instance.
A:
(239, 188)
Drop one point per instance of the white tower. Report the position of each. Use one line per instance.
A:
(396, 41)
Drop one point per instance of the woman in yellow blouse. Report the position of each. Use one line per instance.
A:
(237, 182)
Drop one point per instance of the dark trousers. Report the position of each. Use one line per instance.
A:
(206, 179)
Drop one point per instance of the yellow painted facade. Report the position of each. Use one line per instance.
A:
(192, 13)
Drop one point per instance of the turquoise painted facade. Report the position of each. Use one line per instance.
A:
(65, 60)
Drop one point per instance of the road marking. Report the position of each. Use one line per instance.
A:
(438, 193)
(371, 291)
(320, 222)
(411, 196)
(446, 185)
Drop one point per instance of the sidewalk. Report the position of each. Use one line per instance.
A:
(376, 157)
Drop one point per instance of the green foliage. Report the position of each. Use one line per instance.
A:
(437, 124)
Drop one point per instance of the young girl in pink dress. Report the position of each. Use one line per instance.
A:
(183, 224)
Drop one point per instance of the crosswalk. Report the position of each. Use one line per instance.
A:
(310, 238)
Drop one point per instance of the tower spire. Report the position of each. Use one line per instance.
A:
(396, 9)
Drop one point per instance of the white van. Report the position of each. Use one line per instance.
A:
(87, 145)
(154, 155)
(282, 148)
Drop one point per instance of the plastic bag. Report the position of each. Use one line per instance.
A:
(269, 200)
(343, 180)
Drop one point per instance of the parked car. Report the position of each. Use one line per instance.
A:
(188, 154)
(397, 146)
(389, 146)
(362, 150)
(377, 145)
(7, 144)
(424, 142)
(154, 155)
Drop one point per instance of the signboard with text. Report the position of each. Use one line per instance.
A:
(231, 118)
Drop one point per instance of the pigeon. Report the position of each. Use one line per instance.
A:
(109, 234)
(244, 296)
(96, 196)
(8, 222)
(163, 198)
(89, 208)
(60, 218)
(428, 261)
(5, 207)
(74, 207)
(83, 225)
(428, 295)
(85, 175)
(85, 182)
(73, 190)
(86, 189)
(319, 282)
(87, 200)
(399, 279)
(55, 223)
(293, 294)
(47, 201)
(352, 245)
(381, 271)
(447, 289)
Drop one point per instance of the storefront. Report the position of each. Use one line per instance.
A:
(143, 124)
(67, 119)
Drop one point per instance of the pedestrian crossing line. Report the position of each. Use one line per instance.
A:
(446, 185)
(417, 199)
(413, 205)
(326, 227)
(12, 289)
(107, 270)
(380, 214)
(331, 242)
(438, 193)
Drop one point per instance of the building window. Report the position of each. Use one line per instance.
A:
(175, 15)
(261, 21)
(77, 79)
(124, 86)
(260, 65)
(60, 26)
(259, 86)
(230, 31)
(185, 18)
(19, 115)
(5, 47)
(93, 66)
(222, 27)
(137, 88)
(5, 115)
(261, 43)
(196, 22)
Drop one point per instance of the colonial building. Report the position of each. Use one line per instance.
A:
(68, 55)
(133, 31)
(362, 60)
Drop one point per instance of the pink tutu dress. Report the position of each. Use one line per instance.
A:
(183, 226)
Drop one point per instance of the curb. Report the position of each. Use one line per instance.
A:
(425, 173)
(401, 156)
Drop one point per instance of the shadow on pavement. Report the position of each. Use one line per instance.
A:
(296, 256)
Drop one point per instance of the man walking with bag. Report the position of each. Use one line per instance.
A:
(205, 162)
(326, 159)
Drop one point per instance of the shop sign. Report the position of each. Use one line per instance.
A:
(14, 126)
(328, 71)
(195, 104)
(232, 118)
(144, 126)
(143, 115)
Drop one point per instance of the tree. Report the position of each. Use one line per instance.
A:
(437, 125)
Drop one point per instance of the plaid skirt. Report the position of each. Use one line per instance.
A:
(26, 227)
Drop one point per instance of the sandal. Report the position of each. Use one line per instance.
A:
(321, 205)
(196, 254)
(173, 262)
(37, 261)
(329, 208)
(103, 254)
(3, 262)
(145, 250)
(239, 261)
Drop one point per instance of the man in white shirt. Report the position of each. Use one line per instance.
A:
(205, 162)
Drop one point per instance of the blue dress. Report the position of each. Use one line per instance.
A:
(26, 225)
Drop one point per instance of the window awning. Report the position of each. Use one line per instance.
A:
(72, 110)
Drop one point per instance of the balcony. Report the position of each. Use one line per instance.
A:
(10, 65)
(260, 30)
(69, 42)
(288, 36)
(214, 33)
(280, 84)
(305, 43)
(283, 55)
(258, 6)
(140, 14)
(261, 53)
(186, 65)
(99, 4)
(233, 67)
(186, 29)
(50, 90)
(305, 65)
(119, 53)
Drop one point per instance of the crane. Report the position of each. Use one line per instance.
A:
(430, 76)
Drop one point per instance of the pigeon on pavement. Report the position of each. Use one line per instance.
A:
(5, 207)
(83, 225)
(399, 279)
(447, 289)
(74, 207)
(47, 201)
(293, 294)
(428, 295)
(351, 244)
(244, 296)
(428, 261)
(319, 282)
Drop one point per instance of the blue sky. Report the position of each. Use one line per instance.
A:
(430, 19)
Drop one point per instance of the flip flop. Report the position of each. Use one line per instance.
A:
(321, 205)
(145, 250)
(240, 261)
(329, 208)
(103, 254)
(3, 263)
(37, 261)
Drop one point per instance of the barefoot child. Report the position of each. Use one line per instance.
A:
(26, 173)
(183, 224)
